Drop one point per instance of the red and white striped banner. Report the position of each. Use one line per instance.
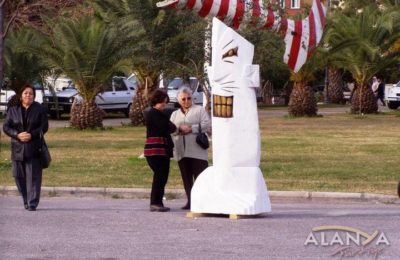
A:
(301, 36)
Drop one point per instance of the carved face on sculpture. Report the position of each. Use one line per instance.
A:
(231, 57)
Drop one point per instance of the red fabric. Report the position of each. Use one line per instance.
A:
(223, 9)
(155, 151)
(270, 19)
(313, 37)
(156, 140)
(237, 19)
(296, 42)
(321, 13)
(206, 7)
(256, 8)
(190, 4)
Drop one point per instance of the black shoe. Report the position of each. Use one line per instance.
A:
(158, 208)
(32, 208)
(26, 205)
(187, 206)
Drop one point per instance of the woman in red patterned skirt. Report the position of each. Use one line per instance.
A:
(159, 146)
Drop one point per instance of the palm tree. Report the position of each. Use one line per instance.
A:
(302, 98)
(21, 67)
(166, 39)
(88, 51)
(361, 44)
(335, 85)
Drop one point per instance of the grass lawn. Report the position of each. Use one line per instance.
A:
(338, 152)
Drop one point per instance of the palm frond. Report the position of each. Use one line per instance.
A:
(88, 51)
(22, 66)
(359, 43)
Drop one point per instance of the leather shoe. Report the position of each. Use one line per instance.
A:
(31, 209)
(158, 208)
(187, 206)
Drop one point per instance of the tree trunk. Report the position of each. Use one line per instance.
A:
(267, 91)
(140, 102)
(335, 93)
(363, 101)
(86, 115)
(302, 101)
(1, 43)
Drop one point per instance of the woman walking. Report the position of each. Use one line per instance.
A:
(26, 123)
(192, 159)
(159, 147)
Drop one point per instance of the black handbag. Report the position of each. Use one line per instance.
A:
(44, 154)
(202, 139)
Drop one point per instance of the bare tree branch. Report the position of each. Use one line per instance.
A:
(32, 13)
(9, 23)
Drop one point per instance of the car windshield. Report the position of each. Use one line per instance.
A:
(175, 84)
(133, 80)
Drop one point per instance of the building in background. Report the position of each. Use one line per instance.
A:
(294, 7)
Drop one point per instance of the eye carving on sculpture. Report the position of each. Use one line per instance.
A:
(232, 52)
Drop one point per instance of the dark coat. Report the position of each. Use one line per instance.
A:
(36, 124)
(381, 90)
(158, 126)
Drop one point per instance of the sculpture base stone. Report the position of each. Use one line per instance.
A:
(232, 191)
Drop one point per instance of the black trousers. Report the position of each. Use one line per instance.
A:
(190, 168)
(382, 99)
(28, 178)
(160, 167)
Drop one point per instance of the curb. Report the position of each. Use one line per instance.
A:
(116, 193)
(143, 193)
(363, 196)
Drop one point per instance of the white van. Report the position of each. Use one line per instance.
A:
(392, 95)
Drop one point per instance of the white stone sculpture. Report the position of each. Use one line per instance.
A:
(234, 184)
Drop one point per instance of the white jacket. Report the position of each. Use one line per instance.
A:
(185, 145)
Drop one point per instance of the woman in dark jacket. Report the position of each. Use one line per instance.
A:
(159, 147)
(25, 124)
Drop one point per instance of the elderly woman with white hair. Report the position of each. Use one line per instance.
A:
(189, 120)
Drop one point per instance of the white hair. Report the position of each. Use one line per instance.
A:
(184, 89)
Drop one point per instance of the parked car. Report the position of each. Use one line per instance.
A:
(61, 102)
(392, 95)
(5, 95)
(347, 89)
(193, 83)
(59, 83)
(117, 96)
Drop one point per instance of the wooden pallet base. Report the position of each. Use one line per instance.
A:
(231, 216)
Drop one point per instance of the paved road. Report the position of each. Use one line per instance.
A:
(98, 228)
